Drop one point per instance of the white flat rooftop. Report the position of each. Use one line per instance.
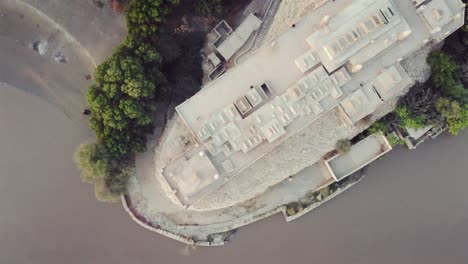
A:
(283, 88)
(238, 38)
(361, 154)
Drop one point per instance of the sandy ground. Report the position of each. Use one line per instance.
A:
(412, 212)
(93, 27)
(63, 85)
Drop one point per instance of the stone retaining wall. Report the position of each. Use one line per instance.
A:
(236, 223)
(311, 207)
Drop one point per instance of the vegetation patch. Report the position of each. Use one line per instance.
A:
(343, 146)
(316, 197)
(155, 63)
(443, 99)
(209, 7)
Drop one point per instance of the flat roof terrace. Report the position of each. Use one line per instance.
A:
(273, 64)
(361, 154)
(276, 66)
(264, 100)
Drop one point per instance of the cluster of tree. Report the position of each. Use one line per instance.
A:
(343, 146)
(408, 119)
(209, 7)
(455, 114)
(182, 63)
(122, 101)
(128, 86)
(99, 167)
(145, 17)
(453, 105)
(443, 98)
(379, 126)
(445, 76)
(123, 98)
(417, 108)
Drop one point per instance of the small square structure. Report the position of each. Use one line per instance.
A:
(361, 154)
(360, 104)
(391, 81)
(237, 39)
(189, 176)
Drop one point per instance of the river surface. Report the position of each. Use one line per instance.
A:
(411, 208)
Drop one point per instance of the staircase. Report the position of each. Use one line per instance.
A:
(267, 19)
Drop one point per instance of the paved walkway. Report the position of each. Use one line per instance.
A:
(411, 208)
(150, 200)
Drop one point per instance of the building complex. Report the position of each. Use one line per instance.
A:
(342, 57)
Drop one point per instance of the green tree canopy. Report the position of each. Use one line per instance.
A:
(444, 69)
(209, 7)
(123, 99)
(408, 120)
(419, 104)
(108, 174)
(455, 114)
(92, 161)
(444, 74)
(145, 16)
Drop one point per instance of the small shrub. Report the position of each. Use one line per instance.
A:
(455, 114)
(103, 194)
(300, 208)
(325, 191)
(343, 146)
(420, 100)
(93, 162)
(406, 120)
(393, 139)
(291, 211)
(443, 68)
(445, 73)
(108, 174)
(379, 126)
(209, 7)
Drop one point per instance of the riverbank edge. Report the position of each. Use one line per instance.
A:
(231, 225)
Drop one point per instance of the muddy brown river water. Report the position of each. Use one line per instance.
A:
(411, 208)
